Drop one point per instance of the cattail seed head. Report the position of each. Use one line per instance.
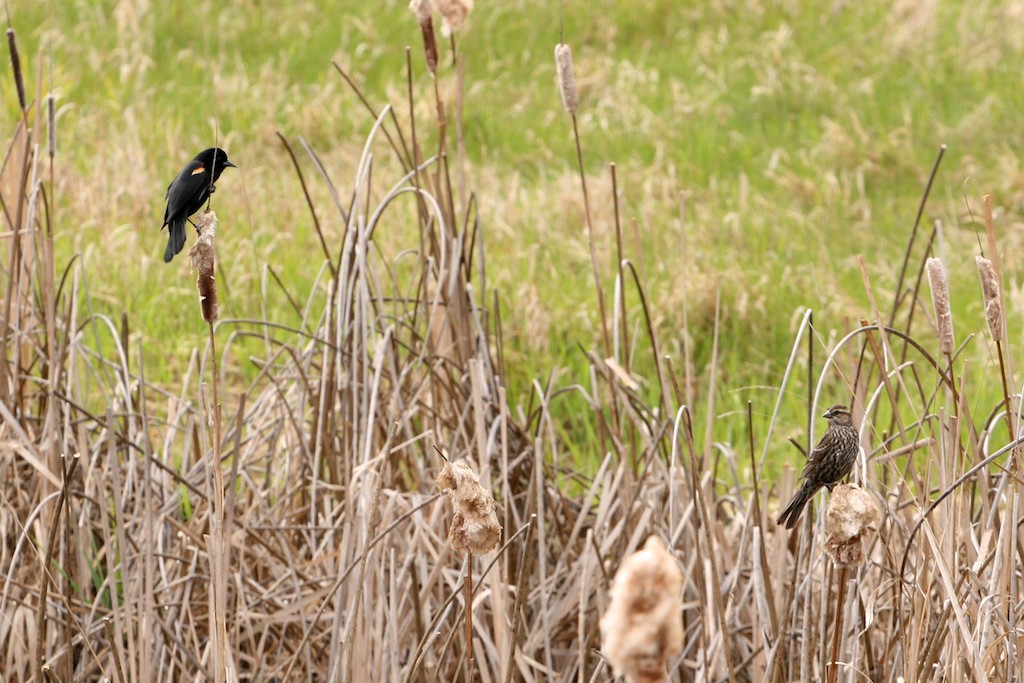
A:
(51, 124)
(454, 13)
(203, 256)
(423, 9)
(642, 628)
(851, 512)
(12, 45)
(475, 526)
(566, 77)
(940, 300)
(990, 291)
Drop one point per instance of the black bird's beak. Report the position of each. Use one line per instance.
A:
(827, 414)
(228, 163)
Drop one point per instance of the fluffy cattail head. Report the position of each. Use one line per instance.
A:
(203, 256)
(566, 77)
(423, 10)
(851, 511)
(940, 300)
(991, 294)
(642, 628)
(475, 526)
(454, 13)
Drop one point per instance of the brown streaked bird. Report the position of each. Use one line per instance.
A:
(831, 460)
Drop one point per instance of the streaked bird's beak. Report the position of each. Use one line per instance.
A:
(228, 163)
(827, 414)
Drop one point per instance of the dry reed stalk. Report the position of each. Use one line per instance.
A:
(44, 575)
(642, 629)
(898, 293)
(688, 370)
(885, 350)
(619, 323)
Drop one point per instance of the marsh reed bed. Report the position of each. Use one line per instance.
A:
(291, 526)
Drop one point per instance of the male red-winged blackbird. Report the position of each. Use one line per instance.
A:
(187, 193)
(831, 460)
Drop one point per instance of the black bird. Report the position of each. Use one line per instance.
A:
(187, 193)
(831, 460)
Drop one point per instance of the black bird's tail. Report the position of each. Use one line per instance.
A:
(175, 239)
(791, 514)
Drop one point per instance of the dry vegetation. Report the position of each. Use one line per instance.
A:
(299, 533)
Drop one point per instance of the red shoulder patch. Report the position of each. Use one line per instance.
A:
(199, 170)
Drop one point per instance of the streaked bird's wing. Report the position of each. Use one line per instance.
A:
(825, 444)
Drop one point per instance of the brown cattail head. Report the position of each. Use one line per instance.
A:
(566, 77)
(642, 628)
(940, 300)
(19, 81)
(454, 13)
(475, 526)
(423, 10)
(203, 256)
(51, 124)
(851, 511)
(991, 293)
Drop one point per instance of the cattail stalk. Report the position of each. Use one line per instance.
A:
(850, 514)
(474, 530)
(991, 292)
(570, 100)
(203, 256)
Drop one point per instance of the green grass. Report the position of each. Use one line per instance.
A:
(802, 134)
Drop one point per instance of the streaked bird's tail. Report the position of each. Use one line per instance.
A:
(175, 239)
(791, 514)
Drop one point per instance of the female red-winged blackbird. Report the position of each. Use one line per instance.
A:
(831, 460)
(187, 193)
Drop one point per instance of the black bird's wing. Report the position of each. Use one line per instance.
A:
(187, 192)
